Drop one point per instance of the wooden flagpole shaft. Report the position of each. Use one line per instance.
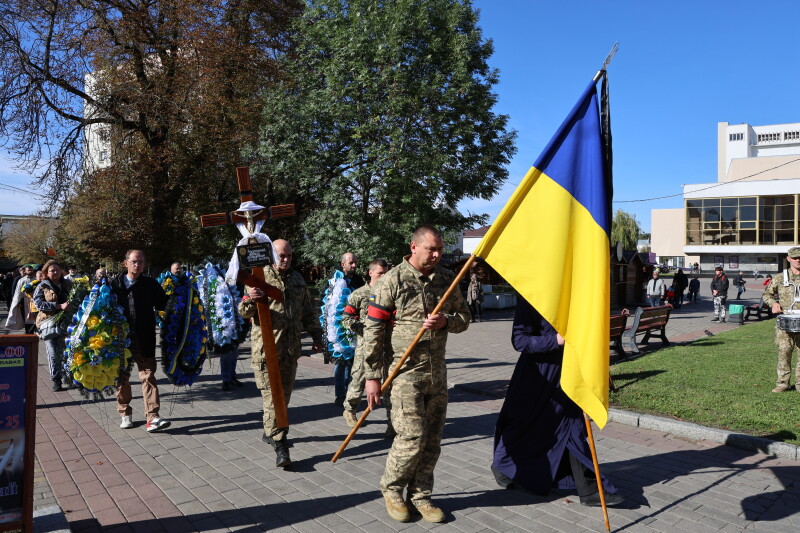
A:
(388, 381)
(599, 480)
(271, 358)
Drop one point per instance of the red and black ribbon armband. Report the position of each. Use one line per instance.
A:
(378, 313)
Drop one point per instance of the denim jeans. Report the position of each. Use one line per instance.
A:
(55, 356)
(228, 356)
(655, 301)
(341, 376)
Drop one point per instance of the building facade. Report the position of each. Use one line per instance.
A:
(749, 217)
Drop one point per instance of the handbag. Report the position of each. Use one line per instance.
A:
(50, 329)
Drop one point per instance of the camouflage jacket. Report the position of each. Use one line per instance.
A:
(776, 292)
(409, 296)
(355, 316)
(289, 317)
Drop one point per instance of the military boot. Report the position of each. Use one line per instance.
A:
(429, 512)
(396, 507)
(282, 459)
(350, 418)
(281, 448)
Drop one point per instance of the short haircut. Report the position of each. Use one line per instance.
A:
(378, 262)
(175, 263)
(424, 230)
(129, 252)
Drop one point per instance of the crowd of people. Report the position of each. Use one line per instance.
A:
(384, 316)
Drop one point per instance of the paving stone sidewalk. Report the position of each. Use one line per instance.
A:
(211, 472)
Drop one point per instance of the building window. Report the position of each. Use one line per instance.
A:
(791, 135)
(103, 155)
(736, 136)
(768, 137)
(721, 221)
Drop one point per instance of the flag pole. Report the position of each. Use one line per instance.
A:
(599, 480)
(388, 381)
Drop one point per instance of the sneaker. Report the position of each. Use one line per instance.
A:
(57, 386)
(156, 424)
(126, 423)
(236, 383)
(429, 512)
(350, 418)
(783, 387)
(715, 319)
(396, 507)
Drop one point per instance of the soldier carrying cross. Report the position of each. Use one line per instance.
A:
(278, 302)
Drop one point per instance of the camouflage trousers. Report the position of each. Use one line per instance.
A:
(355, 390)
(288, 365)
(719, 307)
(786, 343)
(419, 409)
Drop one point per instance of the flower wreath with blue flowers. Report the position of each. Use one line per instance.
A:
(97, 358)
(183, 329)
(340, 339)
(222, 318)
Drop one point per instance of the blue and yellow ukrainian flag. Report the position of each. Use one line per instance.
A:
(551, 243)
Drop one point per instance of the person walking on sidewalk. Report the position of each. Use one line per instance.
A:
(354, 318)
(140, 296)
(740, 284)
(680, 282)
(289, 318)
(50, 298)
(694, 289)
(408, 294)
(540, 440)
(779, 295)
(655, 290)
(719, 290)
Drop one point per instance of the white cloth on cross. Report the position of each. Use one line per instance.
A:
(233, 266)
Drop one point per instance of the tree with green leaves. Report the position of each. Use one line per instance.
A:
(384, 122)
(27, 240)
(168, 87)
(625, 229)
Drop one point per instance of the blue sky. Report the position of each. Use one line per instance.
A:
(681, 68)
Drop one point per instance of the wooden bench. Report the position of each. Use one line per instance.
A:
(760, 310)
(650, 321)
(618, 327)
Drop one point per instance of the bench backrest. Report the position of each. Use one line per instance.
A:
(617, 325)
(652, 317)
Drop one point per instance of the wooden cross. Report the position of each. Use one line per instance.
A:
(256, 279)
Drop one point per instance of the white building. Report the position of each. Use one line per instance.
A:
(748, 218)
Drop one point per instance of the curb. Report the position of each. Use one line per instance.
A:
(698, 433)
(685, 429)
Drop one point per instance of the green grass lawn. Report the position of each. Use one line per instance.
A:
(724, 381)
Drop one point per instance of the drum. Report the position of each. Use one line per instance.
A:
(789, 322)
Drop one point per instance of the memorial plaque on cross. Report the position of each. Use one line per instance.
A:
(255, 278)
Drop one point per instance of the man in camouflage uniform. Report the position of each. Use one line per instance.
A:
(289, 318)
(355, 313)
(780, 297)
(408, 294)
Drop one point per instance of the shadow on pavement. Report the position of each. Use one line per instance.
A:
(632, 475)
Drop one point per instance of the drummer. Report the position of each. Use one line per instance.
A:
(780, 295)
